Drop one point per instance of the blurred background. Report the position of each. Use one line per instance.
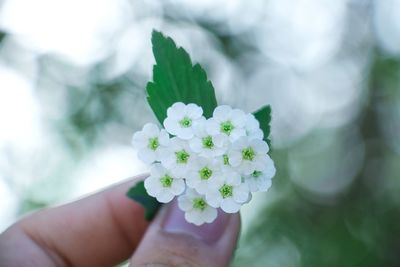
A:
(72, 79)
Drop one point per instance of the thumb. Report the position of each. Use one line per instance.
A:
(171, 241)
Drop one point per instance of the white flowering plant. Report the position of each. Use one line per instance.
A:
(207, 156)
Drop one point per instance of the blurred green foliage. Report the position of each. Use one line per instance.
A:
(2, 35)
(360, 228)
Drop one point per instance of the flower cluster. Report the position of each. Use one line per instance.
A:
(207, 163)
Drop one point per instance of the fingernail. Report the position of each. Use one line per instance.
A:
(175, 222)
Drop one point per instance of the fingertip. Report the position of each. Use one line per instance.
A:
(171, 241)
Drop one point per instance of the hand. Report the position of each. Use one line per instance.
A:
(107, 228)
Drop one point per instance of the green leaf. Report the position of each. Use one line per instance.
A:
(263, 115)
(139, 194)
(175, 79)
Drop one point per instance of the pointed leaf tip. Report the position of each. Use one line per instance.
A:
(175, 79)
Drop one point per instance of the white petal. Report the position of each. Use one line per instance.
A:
(202, 187)
(157, 170)
(230, 206)
(217, 181)
(169, 160)
(165, 196)
(192, 159)
(221, 113)
(191, 194)
(185, 133)
(260, 146)
(247, 167)
(212, 153)
(199, 126)
(233, 178)
(148, 182)
(192, 175)
(171, 125)
(153, 187)
(202, 162)
(177, 143)
(194, 217)
(212, 127)
(176, 110)
(179, 170)
(236, 134)
(164, 152)
(219, 140)
(192, 183)
(209, 214)
(163, 138)
(206, 153)
(248, 199)
(240, 144)
(235, 158)
(270, 171)
(147, 155)
(177, 187)
(264, 184)
(256, 134)
(252, 123)
(194, 111)
(184, 203)
(217, 172)
(150, 129)
(139, 140)
(261, 162)
(252, 184)
(193, 168)
(213, 198)
(241, 193)
(238, 118)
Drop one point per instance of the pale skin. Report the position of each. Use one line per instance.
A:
(107, 228)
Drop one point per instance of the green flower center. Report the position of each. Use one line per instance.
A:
(248, 153)
(226, 191)
(227, 127)
(205, 173)
(185, 122)
(207, 142)
(256, 174)
(153, 143)
(182, 156)
(199, 203)
(226, 159)
(166, 180)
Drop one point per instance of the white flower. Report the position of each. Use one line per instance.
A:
(177, 157)
(223, 163)
(249, 155)
(261, 180)
(181, 118)
(229, 193)
(206, 144)
(208, 164)
(202, 175)
(162, 185)
(196, 209)
(227, 121)
(252, 127)
(148, 141)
